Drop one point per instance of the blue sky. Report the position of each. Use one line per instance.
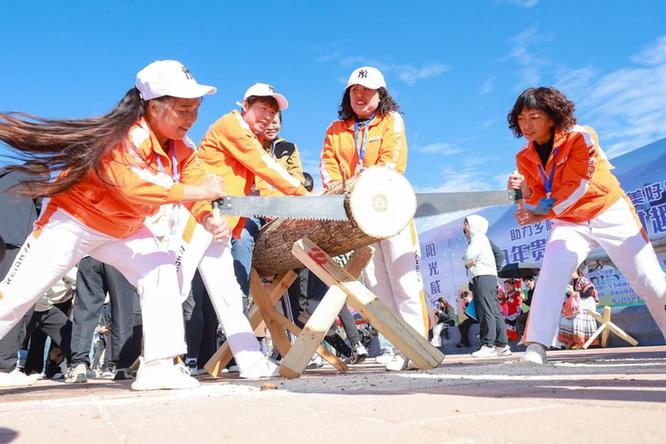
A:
(454, 67)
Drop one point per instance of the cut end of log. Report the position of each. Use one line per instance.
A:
(382, 202)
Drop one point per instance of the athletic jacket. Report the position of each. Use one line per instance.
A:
(138, 178)
(232, 150)
(479, 257)
(287, 155)
(386, 145)
(583, 185)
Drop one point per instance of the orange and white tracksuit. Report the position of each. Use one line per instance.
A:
(393, 273)
(230, 149)
(104, 219)
(590, 210)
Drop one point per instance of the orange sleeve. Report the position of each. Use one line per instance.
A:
(130, 171)
(192, 173)
(576, 172)
(236, 138)
(534, 182)
(393, 150)
(330, 167)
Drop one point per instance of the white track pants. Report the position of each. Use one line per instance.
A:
(393, 275)
(49, 253)
(618, 231)
(196, 249)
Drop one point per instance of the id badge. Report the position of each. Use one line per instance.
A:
(545, 205)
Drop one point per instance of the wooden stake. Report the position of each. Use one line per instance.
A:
(606, 332)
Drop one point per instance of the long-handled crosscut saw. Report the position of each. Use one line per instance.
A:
(379, 200)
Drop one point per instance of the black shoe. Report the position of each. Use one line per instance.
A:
(123, 374)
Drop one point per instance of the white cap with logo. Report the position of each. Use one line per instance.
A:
(169, 78)
(367, 76)
(266, 90)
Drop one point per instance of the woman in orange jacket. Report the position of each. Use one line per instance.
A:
(371, 132)
(115, 170)
(564, 173)
(231, 149)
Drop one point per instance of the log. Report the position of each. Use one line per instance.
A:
(379, 203)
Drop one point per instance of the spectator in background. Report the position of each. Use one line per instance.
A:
(18, 215)
(513, 302)
(94, 281)
(564, 172)
(480, 261)
(51, 318)
(530, 283)
(445, 317)
(465, 321)
(577, 325)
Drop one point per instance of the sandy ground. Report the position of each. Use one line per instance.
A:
(608, 396)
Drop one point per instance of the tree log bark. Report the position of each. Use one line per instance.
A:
(379, 203)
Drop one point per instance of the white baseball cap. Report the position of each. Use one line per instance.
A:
(266, 90)
(367, 76)
(169, 78)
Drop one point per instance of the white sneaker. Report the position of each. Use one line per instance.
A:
(535, 353)
(162, 374)
(315, 362)
(400, 362)
(16, 378)
(504, 351)
(384, 358)
(78, 374)
(192, 368)
(485, 352)
(262, 369)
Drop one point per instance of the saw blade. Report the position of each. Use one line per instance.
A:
(327, 207)
(434, 204)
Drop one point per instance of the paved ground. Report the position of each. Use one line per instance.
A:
(593, 396)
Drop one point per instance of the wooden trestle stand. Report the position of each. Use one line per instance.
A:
(379, 202)
(344, 287)
(607, 327)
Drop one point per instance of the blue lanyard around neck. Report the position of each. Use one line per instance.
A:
(360, 145)
(174, 162)
(548, 181)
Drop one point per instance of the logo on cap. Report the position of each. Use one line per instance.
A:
(271, 88)
(363, 74)
(188, 73)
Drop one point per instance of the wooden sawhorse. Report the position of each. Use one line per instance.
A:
(278, 325)
(607, 327)
(343, 287)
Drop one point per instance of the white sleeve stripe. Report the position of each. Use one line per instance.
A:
(160, 179)
(573, 197)
(589, 141)
(139, 135)
(325, 177)
(268, 160)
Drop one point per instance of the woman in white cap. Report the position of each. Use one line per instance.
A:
(114, 171)
(232, 149)
(371, 132)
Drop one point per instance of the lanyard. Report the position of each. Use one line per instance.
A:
(174, 162)
(548, 181)
(360, 146)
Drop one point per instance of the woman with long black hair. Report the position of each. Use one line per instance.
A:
(113, 171)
